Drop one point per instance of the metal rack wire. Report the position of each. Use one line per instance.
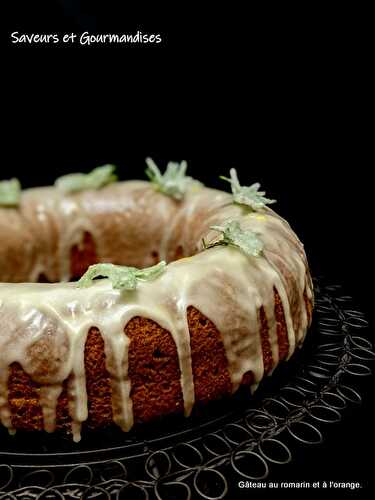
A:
(197, 457)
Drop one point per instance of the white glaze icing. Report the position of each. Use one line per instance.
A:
(129, 221)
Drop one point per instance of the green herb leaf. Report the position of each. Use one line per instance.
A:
(173, 182)
(122, 277)
(97, 178)
(10, 193)
(233, 235)
(247, 195)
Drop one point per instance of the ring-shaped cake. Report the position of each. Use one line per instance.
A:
(213, 319)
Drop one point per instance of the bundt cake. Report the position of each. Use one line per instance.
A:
(201, 291)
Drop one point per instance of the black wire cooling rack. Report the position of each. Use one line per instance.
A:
(199, 457)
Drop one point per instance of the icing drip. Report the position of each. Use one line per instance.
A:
(48, 397)
(5, 414)
(44, 327)
(77, 382)
(116, 347)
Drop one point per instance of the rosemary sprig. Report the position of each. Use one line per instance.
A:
(10, 193)
(173, 182)
(97, 178)
(233, 235)
(247, 195)
(122, 277)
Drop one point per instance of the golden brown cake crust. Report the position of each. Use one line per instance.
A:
(153, 369)
(98, 382)
(23, 396)
(153, 363)
(209, 362)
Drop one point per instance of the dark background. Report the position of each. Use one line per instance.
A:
(282, 95)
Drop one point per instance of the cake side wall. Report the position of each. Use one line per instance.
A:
(218, 362)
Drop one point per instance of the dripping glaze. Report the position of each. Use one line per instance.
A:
(62, 314)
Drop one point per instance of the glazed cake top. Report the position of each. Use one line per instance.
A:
(44, 326)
